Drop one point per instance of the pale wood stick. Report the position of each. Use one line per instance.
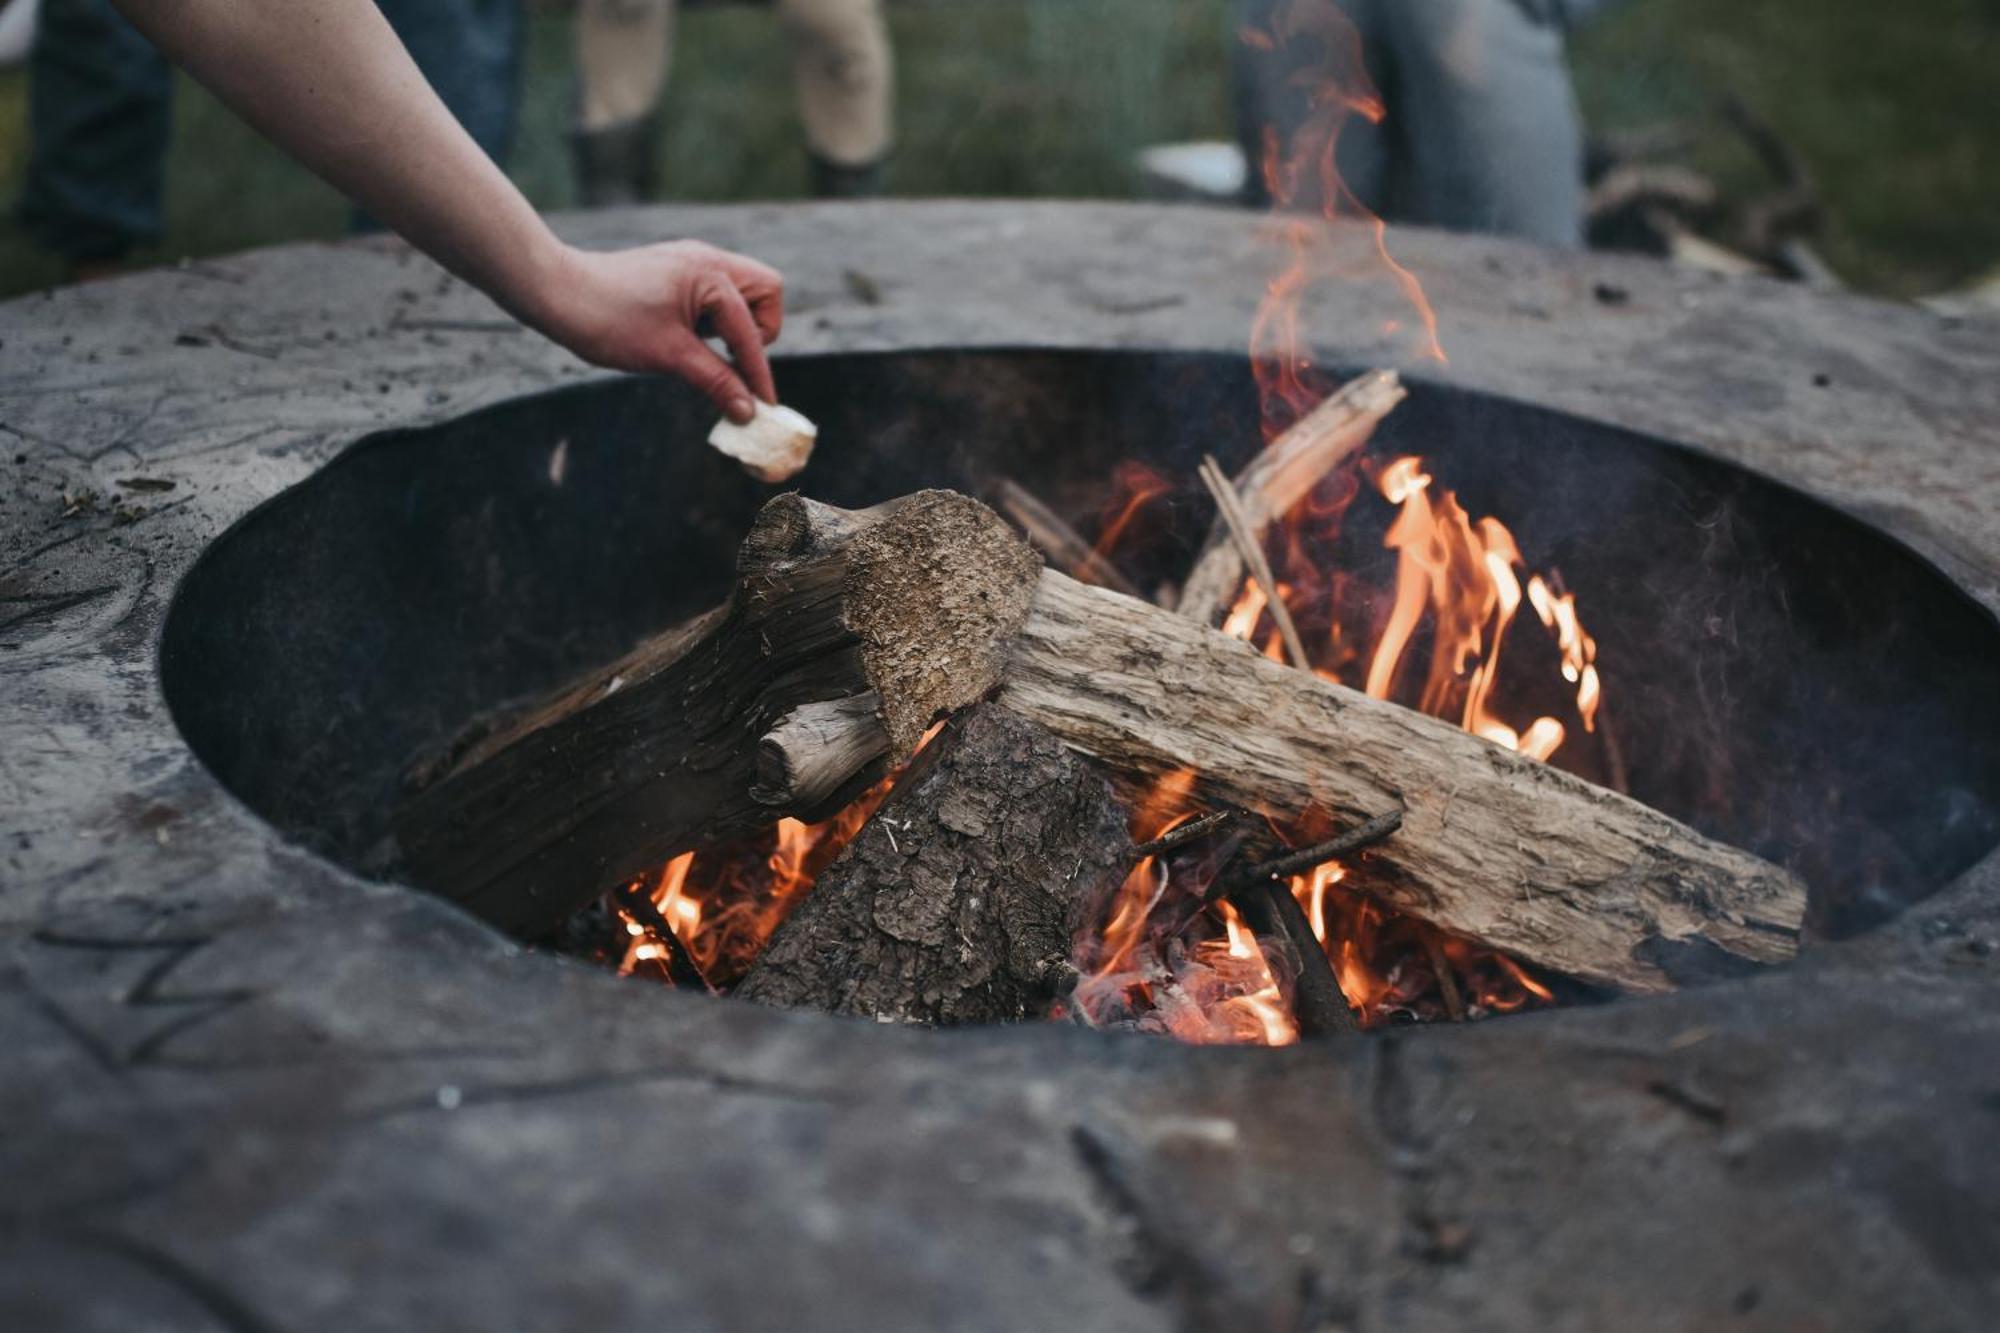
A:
(1281, 475)
(1063, 545)
(1252, 551)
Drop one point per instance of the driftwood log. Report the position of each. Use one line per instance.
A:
(960, 900)
(931, 602)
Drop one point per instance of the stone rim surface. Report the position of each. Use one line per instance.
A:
(249, 1091)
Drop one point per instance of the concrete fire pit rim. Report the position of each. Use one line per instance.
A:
(126, 872)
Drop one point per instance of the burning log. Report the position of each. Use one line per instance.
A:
(693, 736)
(1279, 477)
(931, 602)
(959, 901)
(1497, 847)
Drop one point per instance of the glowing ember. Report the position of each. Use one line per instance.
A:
(723, 903)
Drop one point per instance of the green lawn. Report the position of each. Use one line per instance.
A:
(1892, 105)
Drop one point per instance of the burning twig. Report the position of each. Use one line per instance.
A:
(1063, 545)
(1192, 831)
(1249, 547)
(1345, 844)
(1260, 893)
(1447, 980)
(682, 970)
(1279, 477)
(1319, 1006)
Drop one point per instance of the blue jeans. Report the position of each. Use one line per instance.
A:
(1482, 131)
(100, 111)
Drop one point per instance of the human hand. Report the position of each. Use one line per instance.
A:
(649, 308)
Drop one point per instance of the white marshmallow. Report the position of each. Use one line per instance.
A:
(775, 445)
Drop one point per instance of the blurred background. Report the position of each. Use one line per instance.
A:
(1871, 131)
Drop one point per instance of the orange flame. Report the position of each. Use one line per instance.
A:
(1304, 180)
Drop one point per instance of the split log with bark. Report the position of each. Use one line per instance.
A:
(960, 900)
(932, 603)
(716, 728)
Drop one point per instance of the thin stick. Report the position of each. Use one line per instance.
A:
(1064, 547)
(1614, 753)
(1280, 476)
(1192, 831)
(1252, 551)
(682, 969)
(1310, 858)
(1319, 1006)
(1454, 1003)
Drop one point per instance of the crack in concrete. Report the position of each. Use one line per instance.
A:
(228, 1310)
(47, 606)
(465, 1097)
(1152, 1263)
(147, 992)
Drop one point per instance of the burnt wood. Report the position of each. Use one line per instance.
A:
(959, 902)
(1495, 847)
(526, 817)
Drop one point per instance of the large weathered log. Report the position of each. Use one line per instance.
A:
(931, 602)
(526, 817)
(960, 900)
(1495, 846)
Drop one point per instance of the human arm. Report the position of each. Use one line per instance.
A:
(329, 82)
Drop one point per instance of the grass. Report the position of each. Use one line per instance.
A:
(1891, 105)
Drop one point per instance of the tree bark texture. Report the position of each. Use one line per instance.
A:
(959, 902)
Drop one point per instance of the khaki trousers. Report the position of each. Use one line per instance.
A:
(840, 62)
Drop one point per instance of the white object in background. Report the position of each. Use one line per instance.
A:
(17, 30)
(1209, 169)
(775, 445)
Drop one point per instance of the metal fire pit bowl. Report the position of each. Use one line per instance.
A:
(248, 1089)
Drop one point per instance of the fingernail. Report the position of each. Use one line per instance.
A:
(741, 411)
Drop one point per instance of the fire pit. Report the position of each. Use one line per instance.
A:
(260, 1089)
(1783, 677)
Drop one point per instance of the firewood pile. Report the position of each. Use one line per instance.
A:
(1068, 703)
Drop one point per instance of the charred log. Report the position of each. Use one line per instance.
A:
(529, 815)
(960, 900)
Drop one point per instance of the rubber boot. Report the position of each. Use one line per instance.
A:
(615, 165)
(831, 180)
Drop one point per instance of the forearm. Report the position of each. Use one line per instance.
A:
(329, 81)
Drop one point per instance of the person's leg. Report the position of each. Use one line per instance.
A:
(845, 73)
(1485, 120)
(470, 50)
(100, 112)
(623, 50)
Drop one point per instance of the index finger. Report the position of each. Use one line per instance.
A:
(731, 316)
(764, 288)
